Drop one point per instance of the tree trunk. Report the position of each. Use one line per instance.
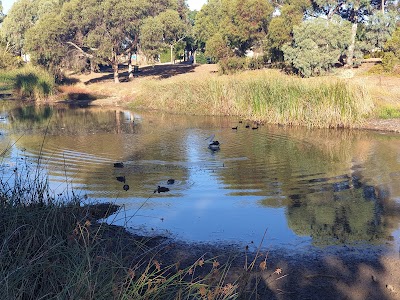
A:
(130, 66)
(194, 56)
(172, 53)
(383, 6)
(115, 67)
(350, 52)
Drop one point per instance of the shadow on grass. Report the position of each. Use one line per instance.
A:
(160, 71)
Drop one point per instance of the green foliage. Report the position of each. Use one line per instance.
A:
(227, 27)
(1, 13)
(217, 47)
(377, 30)
(229, 65)
(389, 61)
(280, 29)
(32, 82)
(317, 46)
(8, 60)
(393, 44)
(151, 37)
(388, 112)
(201, 58)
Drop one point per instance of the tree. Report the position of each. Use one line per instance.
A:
(240, 24)
(280, 30)
(317, 45)
(378, 29)
(355, 11)
(22, 16)
(19, 19)
(151, 37)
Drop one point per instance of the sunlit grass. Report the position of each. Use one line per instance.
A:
(266, 96)
(29, 82)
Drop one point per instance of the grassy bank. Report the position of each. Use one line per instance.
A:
(28, 82)
(266, 96)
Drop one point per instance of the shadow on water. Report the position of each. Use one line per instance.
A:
(328, 198)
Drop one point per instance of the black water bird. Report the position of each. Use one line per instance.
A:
(125, 187)
(235, 128)
(121, 178)
(254, 127)
(118, 165)
(240, 122)
(161, 189)
(171, 181)
(247, 126)
(213, 145)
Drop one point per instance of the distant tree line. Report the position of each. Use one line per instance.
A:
(307, 37)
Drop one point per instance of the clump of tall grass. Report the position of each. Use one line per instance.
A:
(266, 96)
(30, 82)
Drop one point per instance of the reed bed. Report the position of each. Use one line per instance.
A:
(29, 82)
(265, 96)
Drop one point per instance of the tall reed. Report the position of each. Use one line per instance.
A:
(266, 96)
(30, 82)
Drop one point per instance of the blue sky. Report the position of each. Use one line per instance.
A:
(193, 4)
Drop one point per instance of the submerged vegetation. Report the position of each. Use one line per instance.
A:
(264, 96)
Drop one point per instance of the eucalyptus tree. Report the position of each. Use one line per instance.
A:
(239, 24)
(280, 30)
(19, 19)
(355, 11)
(22, 16)
(317, 45)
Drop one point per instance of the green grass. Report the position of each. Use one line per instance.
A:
(29, 82)
(263, 96)
(388, 112)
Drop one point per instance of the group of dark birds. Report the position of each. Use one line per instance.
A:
(159, 189)
(212, 145)
(215, 145)
(254, 126)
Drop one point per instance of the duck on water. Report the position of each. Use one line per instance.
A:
(213, 145)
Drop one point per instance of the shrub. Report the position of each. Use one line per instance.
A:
(231, 65)
(33, 82)
(389, 61)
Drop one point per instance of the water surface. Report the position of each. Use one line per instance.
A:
(306, 188)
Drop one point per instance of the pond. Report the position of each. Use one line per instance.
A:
(305, 188)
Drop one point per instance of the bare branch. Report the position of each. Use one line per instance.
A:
(81, 50)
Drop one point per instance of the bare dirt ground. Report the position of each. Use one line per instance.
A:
(331, 273)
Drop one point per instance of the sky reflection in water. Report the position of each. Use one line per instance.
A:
(319, 187)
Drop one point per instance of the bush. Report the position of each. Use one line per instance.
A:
(9, 61)
(389, 61)
(231, 65)
(33, 82)
(256, 63)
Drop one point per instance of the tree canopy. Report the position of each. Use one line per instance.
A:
(83, 35)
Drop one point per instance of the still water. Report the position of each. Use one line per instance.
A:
(305, 188)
